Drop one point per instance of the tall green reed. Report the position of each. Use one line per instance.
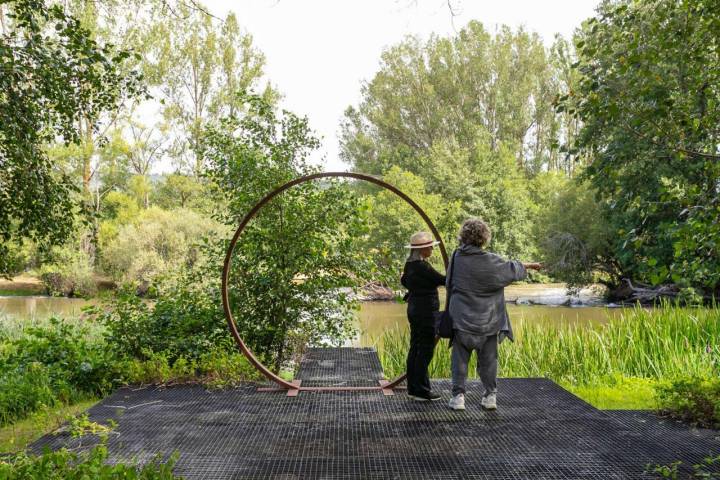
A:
(664, 342)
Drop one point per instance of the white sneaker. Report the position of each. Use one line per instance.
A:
(457, 402)
(489, 401)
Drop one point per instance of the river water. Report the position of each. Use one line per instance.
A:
(374, 318)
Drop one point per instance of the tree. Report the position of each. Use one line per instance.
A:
(576, 244)
(391, 221)
(448, 89)
(178, 190)
(53, 75)
(295, 259)
(199, 66)
(649, 103)
(471, 115)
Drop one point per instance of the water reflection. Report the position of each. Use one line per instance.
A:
(375, 318)
(41, 307)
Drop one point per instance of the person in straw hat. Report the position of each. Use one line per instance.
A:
(422, 282)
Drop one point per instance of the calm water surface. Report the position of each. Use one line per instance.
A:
(374, 318)
(377, 317)
(41, 307)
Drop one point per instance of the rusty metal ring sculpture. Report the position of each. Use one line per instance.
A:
(291, 386)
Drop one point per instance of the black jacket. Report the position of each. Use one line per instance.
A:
(422, 282)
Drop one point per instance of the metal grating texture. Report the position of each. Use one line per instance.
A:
(690, 444)
(540, 431)
(340, 367)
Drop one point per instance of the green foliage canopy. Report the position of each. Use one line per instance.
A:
(51, 74)
(295, 261)
(649, 102)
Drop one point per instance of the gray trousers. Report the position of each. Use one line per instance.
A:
(462, 348)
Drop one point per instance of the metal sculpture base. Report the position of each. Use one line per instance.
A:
(294, 392)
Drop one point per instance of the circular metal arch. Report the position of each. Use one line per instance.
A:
(231, 248)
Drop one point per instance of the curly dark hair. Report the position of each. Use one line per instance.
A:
(474, 232)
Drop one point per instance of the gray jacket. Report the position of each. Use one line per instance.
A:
(479, 278)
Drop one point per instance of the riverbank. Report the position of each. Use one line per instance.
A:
(22, 285)
(30, 285)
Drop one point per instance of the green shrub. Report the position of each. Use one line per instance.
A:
(70, 274)
(69, 353)
(19, 256)
(51, 365)
(694, 399)
(709, 468)
(24, 391)
(186, 320)
(217, 368)
(64, 464)
(159, 241)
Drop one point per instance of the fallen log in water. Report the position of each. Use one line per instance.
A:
(375, 291)
(628, 292)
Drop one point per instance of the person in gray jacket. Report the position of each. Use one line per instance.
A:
(477, 306)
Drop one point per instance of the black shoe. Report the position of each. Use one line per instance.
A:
(427, 397)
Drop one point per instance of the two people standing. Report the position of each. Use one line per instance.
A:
(476, 282)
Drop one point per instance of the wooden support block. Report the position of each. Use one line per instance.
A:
(386, 391)
(294, 392)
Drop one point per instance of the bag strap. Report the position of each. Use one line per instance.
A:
(450, 272)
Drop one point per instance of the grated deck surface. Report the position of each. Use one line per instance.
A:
(690, 444)
(349, 367)
(540, 431)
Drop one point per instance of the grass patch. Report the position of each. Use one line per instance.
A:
(17, 292)
(18, 436)
(617, 393)
(614, 365)
(21, 286)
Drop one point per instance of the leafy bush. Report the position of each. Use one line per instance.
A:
(185, 320)
(694, 399)
(18, 256)
(24, 391)
(70, 465)
(52, 365)
(175, 340)
(70, 354)
(61, 363)
(158, 242)
(709, 468)
(117, 209)
(217, 368)
(70, 274)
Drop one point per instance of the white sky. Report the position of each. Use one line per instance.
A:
(319, 52)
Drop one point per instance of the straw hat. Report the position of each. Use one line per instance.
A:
(422, 240)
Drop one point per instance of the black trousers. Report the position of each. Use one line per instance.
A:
(422, 345)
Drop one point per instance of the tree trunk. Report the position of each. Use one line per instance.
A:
(88, 148)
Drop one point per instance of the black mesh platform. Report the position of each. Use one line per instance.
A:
(349, 367)
(690, 444)
(540, 431)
